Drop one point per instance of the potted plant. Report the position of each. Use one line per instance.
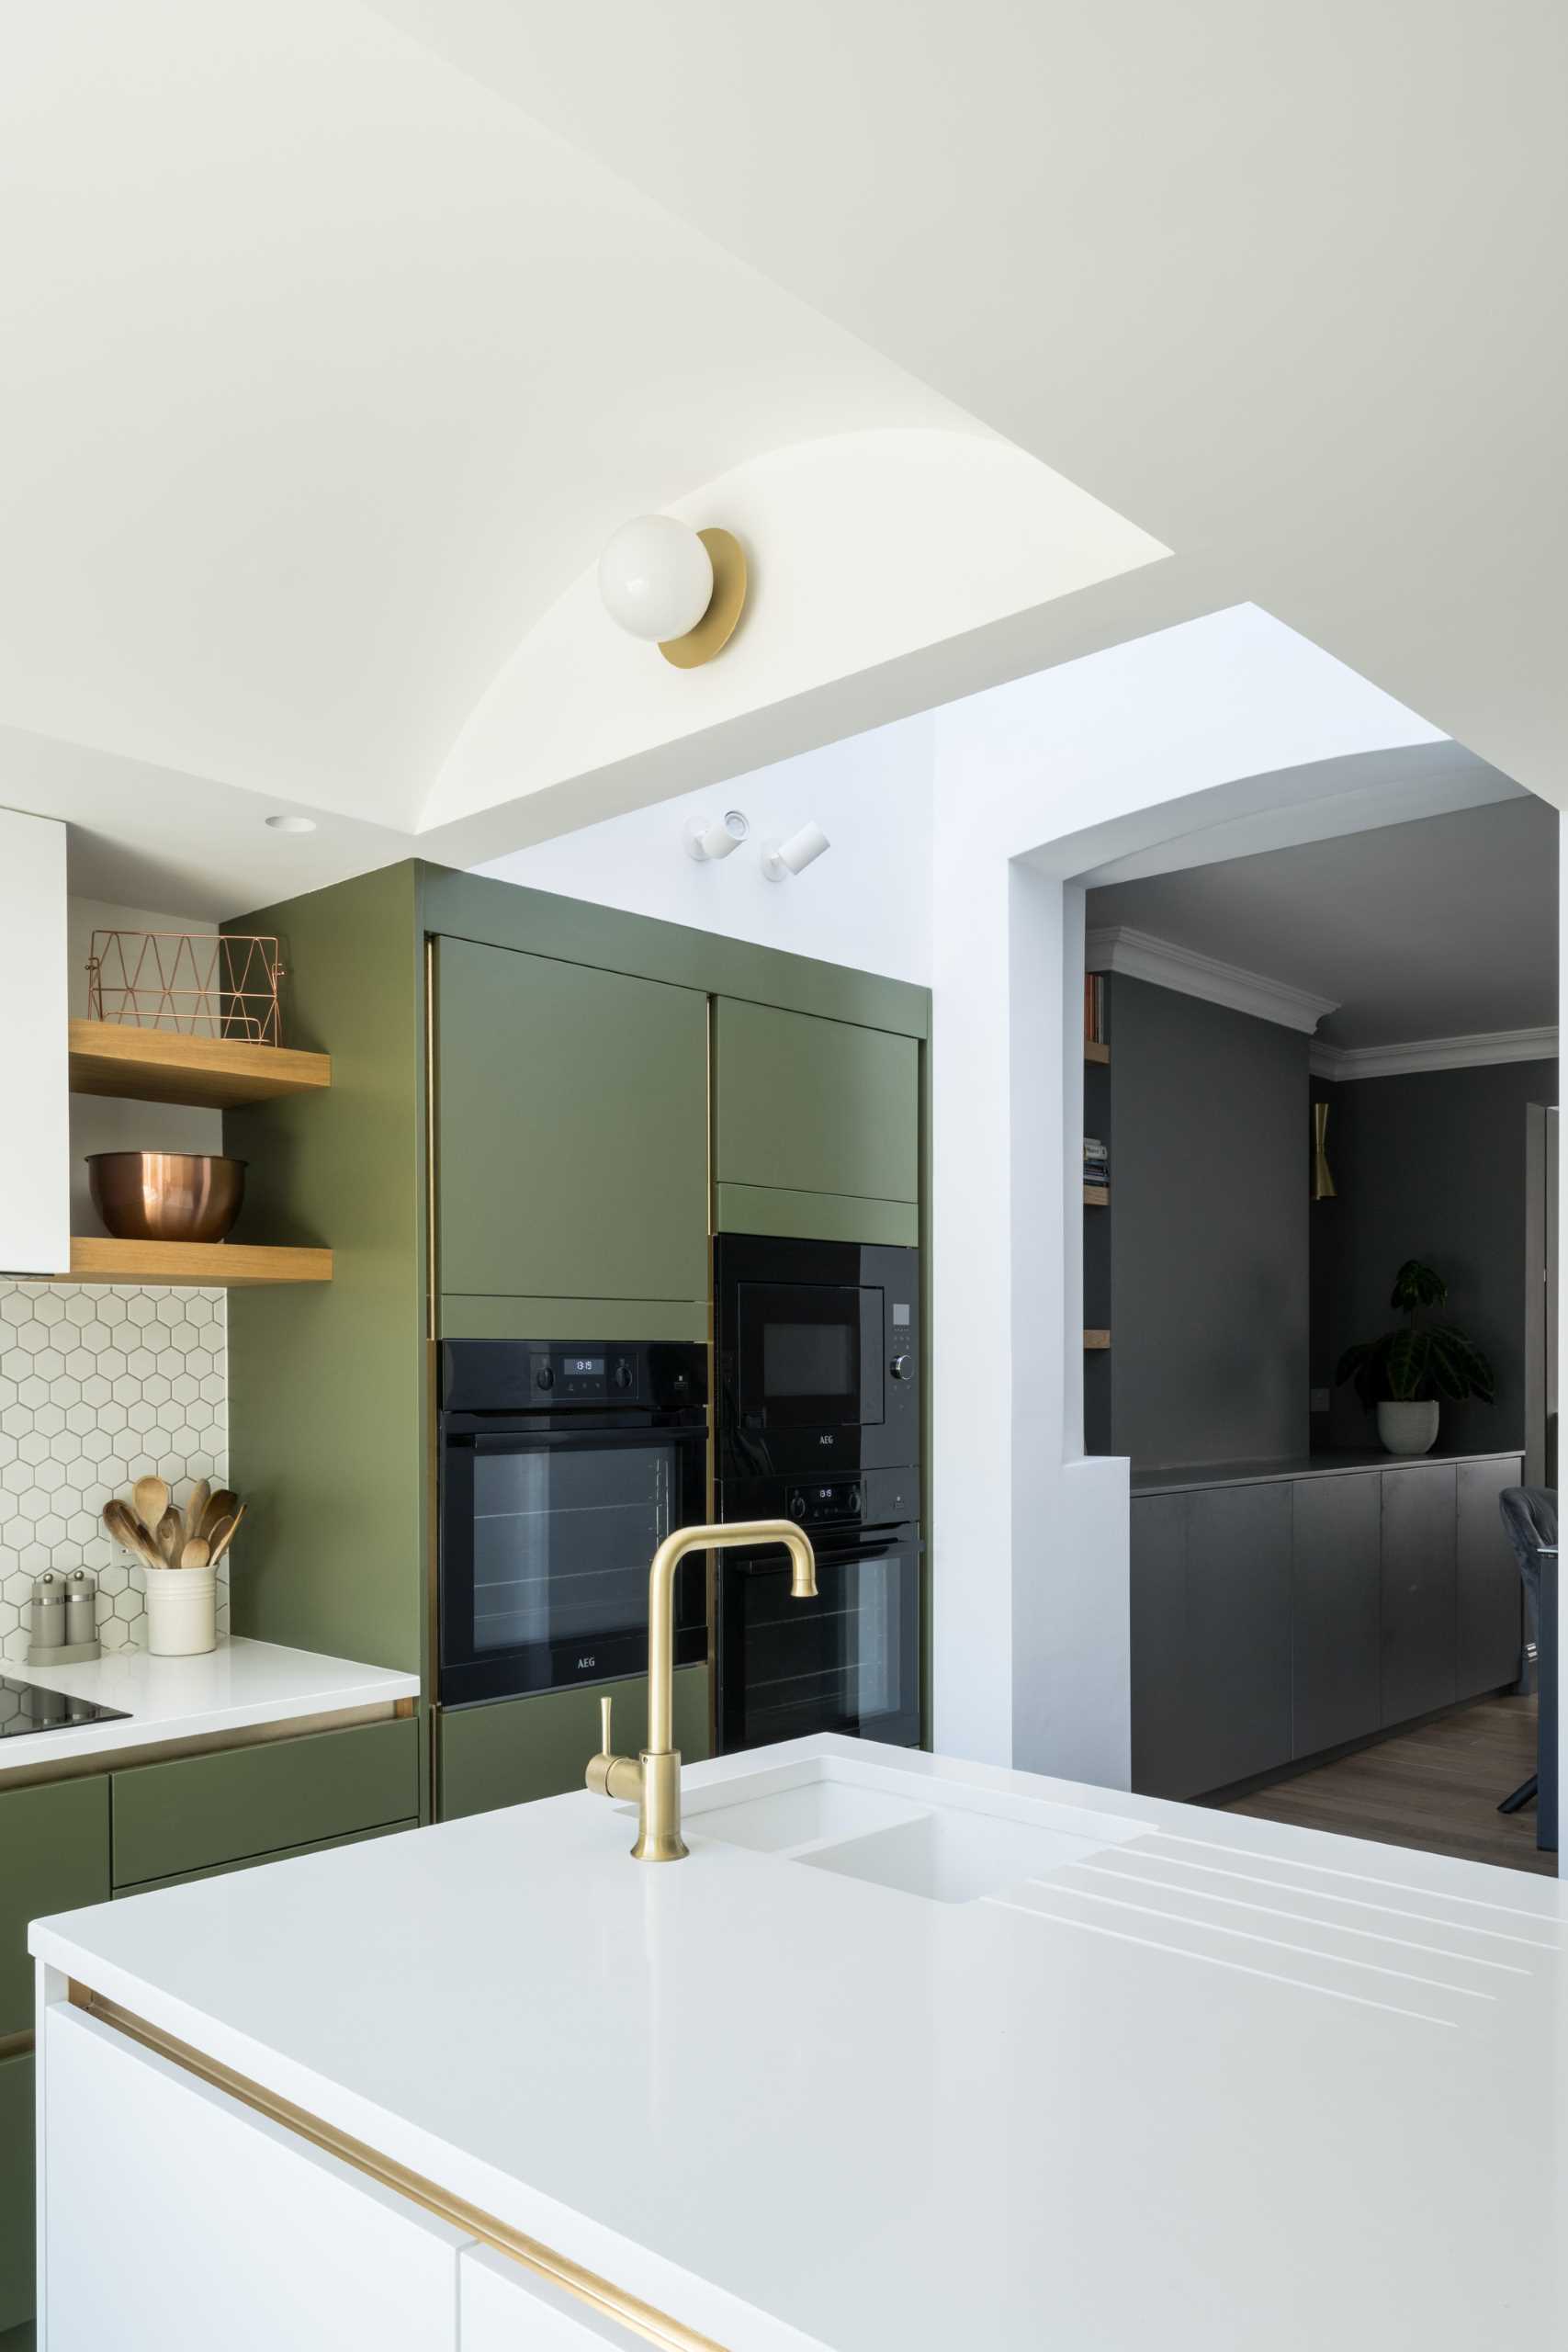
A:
(1407, 1371)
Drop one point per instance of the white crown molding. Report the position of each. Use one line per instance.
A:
(1142, 957)
(1433, 1053)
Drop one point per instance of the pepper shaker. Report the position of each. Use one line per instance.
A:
(81, 1607)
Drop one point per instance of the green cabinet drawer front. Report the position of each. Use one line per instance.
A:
(54, 1856)
(254, 1862)
(571, 1123)
(172, 1819)
(513, 1750)
(807, 1105)
(16, 2190)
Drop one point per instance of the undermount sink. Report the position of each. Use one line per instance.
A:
(943, 1853)
(952, 1857)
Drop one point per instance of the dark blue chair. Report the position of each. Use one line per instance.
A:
(1529, 1516)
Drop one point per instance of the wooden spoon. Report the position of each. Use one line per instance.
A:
(194, 1554)
(170, 1536)
(195, 1504)
(151, 1496)
(224, 1535)
(128, 1532)
(219, 1506)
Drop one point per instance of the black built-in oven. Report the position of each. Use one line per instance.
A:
(563, 1466)
(818, 1418)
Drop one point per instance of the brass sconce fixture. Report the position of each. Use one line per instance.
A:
(1323, 1188)
(679, 589)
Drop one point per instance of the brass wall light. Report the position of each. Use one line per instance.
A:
(1322, 1174)
(679, 589)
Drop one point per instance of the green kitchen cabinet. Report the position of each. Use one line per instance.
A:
(175, 1819)
(571, 1131)
(806, 1106)
(253, 1862)
(16, 2190)
(509, 1751)
(54, 1856)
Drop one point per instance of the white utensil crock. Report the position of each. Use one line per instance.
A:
(182, 1610)
(1407, 1428)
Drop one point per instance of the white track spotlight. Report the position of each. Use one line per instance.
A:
(707, 838)
(794, 855)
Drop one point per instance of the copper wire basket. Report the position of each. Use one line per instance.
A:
(203, 984)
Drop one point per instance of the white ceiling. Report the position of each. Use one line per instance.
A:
(1443, 928)
(337, 336)
(1280, 286)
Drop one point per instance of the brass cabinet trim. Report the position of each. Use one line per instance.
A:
(541, 2261)
(216, 1743)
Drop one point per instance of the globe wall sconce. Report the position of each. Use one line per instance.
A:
(676, 588)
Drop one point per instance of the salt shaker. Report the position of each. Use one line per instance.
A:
(46, 1625)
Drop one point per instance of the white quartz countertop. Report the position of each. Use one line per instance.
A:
(1191, 2081)
(236, 1686)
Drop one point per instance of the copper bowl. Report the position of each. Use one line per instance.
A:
(166, 1195)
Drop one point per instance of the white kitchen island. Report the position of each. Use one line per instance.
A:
(908, 2055)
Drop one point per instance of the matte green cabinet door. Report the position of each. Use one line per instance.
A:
(808, 1105)
(16, 2190)
(54, 1856)
(571, 1110)
(513, 1750)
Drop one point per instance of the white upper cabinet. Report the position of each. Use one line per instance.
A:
(35, 1141)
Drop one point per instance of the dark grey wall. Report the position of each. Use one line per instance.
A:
(1209, 1308)
(1428, 1166)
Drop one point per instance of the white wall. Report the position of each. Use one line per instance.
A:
(1034, 783)
(35, 1233)
(866, 903)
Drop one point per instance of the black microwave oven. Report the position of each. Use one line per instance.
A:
(817, 1348)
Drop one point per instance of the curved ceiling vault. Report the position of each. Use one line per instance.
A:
(331, 371)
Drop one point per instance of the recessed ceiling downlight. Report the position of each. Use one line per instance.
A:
(292, 824)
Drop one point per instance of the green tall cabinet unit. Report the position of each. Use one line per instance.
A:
(816, 1127)
(572, 1148)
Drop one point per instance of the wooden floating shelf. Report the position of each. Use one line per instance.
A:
(1097, 1196)
(1095, 1053)
(193, 1265)
(1097, 1339)
(208, 1073)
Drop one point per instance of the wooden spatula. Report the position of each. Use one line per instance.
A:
(127, 1530)
(170, 1532)
(195, 1504)
(224, 1535)
(219, 1506)
(151, 1496)
(194, 1554)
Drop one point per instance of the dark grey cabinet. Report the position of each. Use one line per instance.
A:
(1163, 1762)
(1420, 1621)
(1336, 1544)
(1238, 1630)
(1488, 1599)
(1211, 1637)
(1273, 1619)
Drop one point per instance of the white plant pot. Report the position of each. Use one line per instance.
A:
(182, 1610)
(1407, 1428)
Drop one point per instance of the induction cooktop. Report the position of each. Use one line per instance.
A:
(26, 1707)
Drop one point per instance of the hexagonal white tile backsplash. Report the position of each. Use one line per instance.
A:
(98, 1386)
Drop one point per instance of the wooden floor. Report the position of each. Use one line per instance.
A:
(1438, 1788)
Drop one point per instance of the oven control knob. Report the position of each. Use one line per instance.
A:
(623, 1374)
(796, 1508)
(857, 1502)
(902, 1367)
(545, 1377)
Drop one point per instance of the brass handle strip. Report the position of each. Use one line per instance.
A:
(16, 2045)
(615, 2303)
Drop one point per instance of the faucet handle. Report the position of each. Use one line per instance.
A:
(605, 1703)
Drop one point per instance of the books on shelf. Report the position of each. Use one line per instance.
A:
(1096, 1161)
(1094, 1007)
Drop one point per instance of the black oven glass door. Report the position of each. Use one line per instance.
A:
(809, 1355)
(848, 1661)
(546, 1544)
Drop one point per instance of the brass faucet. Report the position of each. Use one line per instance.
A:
(653, 1778)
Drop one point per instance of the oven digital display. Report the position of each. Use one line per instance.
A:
(584, 1367)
